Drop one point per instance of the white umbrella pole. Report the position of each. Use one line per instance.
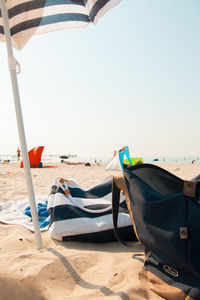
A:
(13, 75)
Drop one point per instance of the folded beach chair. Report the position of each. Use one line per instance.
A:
(165, 212)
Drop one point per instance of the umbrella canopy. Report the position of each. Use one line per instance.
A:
(19, 21)
(27, 18)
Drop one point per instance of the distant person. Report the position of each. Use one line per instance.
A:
(18, 153)
(115, 153)
(96, 162)
(6, 161)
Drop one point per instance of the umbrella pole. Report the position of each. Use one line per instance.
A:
(13, 75)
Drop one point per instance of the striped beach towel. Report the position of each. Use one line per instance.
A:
(86, 215)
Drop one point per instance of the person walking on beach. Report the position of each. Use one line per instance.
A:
(18, 153)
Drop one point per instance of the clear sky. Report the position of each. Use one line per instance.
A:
(133, 79)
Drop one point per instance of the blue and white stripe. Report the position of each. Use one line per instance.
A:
(71, 213)
(86, 215)
(27, 18)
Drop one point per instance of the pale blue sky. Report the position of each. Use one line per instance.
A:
(133, 79)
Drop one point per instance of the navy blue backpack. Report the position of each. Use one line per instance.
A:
(165, 212)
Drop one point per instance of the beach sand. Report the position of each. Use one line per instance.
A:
(72, 270)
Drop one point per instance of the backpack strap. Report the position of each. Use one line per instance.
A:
(118, 186)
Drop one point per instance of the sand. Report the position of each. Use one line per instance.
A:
(71, 270)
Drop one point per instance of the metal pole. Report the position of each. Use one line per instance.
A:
(22, 138)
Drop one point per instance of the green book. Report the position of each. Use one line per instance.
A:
(134, 161)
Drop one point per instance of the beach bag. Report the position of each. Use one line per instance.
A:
(165, 211)
(77, 214)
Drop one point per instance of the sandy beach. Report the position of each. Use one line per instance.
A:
(72, 270)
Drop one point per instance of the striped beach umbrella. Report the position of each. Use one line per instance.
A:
(19, 21)
(27, 18)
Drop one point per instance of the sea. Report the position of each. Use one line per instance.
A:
(78, 158)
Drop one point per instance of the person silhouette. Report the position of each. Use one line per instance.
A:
(18, 153)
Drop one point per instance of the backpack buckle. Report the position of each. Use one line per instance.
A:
(184, 233)
(189, 188)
